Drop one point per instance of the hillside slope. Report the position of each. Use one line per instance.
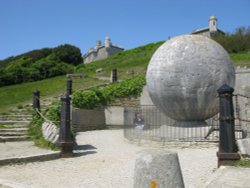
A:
(128, 63)
(134, 60)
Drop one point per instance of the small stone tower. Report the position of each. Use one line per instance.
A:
(213, 24)
(107, 42)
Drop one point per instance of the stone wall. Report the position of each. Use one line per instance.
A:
(84, 120)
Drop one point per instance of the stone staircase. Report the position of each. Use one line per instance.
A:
(14, 128)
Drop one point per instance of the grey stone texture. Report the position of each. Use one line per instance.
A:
(50, 132)
(184, 74)
(157, 168)
(244, 147)
(230, 177)
(84, 120)
(114, 116)
(101, 51)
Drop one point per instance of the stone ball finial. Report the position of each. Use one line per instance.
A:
(184, 74)
(212, 18)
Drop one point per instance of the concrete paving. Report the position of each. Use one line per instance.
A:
(230, 177)
(227, 177)
(24, 151)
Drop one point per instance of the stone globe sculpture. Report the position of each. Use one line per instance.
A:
(184, 74)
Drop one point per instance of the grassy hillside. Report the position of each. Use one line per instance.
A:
(134, 60)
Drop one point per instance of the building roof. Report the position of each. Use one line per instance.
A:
(206, 29)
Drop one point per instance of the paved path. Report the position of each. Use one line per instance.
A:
(106, 159)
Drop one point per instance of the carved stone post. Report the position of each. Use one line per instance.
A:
(114, 75)
(65, 137)
(227, 145)
(36, 99)
(69, 86)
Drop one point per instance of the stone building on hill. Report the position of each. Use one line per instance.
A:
(211, 30)
(101, 51)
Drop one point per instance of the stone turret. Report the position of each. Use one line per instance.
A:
(98, 44)
(213, 24)
(107, 42)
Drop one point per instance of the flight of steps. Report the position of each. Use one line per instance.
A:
(16, 128)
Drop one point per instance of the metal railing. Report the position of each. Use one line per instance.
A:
(158, 127)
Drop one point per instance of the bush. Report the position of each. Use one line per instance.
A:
(239, 41)
(68, 54)
(52, 113)
(91, 99)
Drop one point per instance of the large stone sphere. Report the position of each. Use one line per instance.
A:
(184, 74)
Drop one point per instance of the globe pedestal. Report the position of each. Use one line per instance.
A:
(191, 124)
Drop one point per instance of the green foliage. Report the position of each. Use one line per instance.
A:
(39, 64)
(101, 96)
(130, 60)
(53, 112)
(35, 132)
(11, 96)
(243, 163)
(87, 99)
(2, 126)
(239, 41)
(68, 54)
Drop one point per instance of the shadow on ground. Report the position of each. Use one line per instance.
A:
(82, 150)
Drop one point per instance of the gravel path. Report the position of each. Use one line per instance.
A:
(106, 159)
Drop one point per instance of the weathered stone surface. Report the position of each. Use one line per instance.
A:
(50, 132)
(244, 146)
(158, 168)
(184, 74)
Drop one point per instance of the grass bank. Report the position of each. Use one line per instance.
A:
(21, 94)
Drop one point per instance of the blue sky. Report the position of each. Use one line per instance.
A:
(33, 24)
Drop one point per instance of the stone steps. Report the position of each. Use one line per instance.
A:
(14, 122)
(17, 133)
(14, 138)
(18, 129)
(6, 134)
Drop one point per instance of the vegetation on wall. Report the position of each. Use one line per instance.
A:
(97, 97)
(52, 113)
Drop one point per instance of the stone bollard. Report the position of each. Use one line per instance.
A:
(113, 76)
(156, 169)
(36, 99)
(69, 86)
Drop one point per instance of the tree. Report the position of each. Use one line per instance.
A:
(68, 54)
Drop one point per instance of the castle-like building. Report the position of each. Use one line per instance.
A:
(101, 51)
(211, 30)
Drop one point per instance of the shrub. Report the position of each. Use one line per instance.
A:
(101, 96)
(52, 113)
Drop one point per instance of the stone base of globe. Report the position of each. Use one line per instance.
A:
(191, 124)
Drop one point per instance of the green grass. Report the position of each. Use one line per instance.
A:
(241, 59)
(243, 163)
(134, 60)
(16, 95)
(2, 126)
